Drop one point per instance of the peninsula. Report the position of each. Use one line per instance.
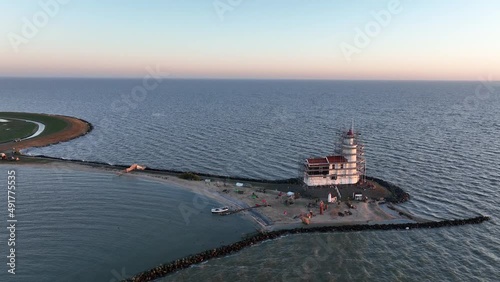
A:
(333, 191)
(23, 130)
(332, 195)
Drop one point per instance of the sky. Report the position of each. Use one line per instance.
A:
(270, 39)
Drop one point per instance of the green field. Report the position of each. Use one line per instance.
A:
(14, 129)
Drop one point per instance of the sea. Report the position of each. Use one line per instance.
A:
(438, 140)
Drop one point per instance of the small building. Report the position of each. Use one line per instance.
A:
(357, 197)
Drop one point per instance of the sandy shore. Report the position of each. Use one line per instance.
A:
(272, 213)
(278, 215)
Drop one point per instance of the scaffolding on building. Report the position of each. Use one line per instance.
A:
(360, 151)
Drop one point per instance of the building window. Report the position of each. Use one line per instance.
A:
(341, 166)
(334, 177)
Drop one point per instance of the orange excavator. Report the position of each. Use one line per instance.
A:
(133, 167)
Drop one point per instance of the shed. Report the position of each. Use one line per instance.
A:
(358, 196)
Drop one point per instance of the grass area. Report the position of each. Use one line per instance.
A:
(190, 176)
(13, 129)
(52, 124)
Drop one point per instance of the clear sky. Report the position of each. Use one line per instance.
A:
(317, 39)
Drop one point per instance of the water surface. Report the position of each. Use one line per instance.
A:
(437, 140)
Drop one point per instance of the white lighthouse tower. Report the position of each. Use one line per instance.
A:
(349, 151)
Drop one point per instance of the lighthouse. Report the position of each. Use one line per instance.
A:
(345, 168)
(350, 152)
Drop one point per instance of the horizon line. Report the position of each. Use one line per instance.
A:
(236, 78)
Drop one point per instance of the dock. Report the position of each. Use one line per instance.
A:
(244, 209)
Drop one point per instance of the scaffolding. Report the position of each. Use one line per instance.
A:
(360, 151)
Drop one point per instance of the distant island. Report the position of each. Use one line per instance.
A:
(24, 130)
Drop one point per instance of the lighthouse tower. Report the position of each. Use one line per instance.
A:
(349, 151)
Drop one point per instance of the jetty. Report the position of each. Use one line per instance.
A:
(179, 264)
(243, 209)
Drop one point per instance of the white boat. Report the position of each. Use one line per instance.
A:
(220, 210)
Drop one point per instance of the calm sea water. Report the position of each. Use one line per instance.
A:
(77, 225)
(437, 140)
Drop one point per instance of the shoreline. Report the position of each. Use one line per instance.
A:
(262, 199)
(263, 232)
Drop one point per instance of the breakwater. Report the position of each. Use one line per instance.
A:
(398, 195)
(179, 264)
(169, 171)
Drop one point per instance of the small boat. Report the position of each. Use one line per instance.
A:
(220, 210)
